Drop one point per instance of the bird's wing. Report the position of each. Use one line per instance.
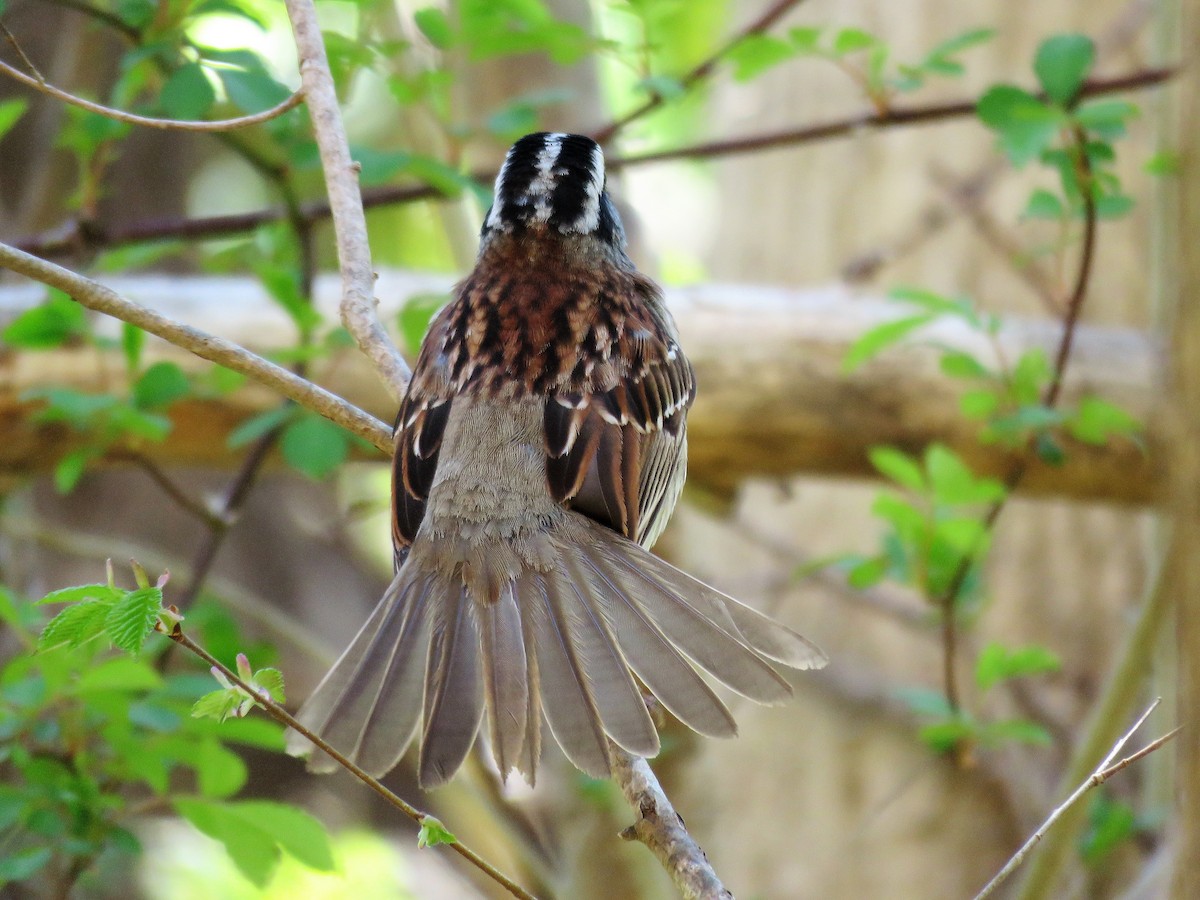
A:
(616, 442)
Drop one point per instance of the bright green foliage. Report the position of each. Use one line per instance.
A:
(10, 113)
(1111, 822)
(998, 663)
(315, 446)
(232, 699)
(58, 321)
(433, 832)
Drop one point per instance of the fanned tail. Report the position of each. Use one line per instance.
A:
(564, 642)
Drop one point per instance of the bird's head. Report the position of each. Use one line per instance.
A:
(553, 183)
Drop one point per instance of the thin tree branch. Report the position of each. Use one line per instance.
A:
(1100, 774)
(78, 235)
(662, 830)
(147, 121)
(949, 599)
(358, 306)
(283, 717)
(96, 296)
(770, 16)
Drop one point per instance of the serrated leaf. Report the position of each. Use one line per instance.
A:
(75, 625)
(131, 619)
(219, 705)
(898, 466)
(433, 832)
(160, 385)
(83, 592)
(314, 445)
(271, 681)
(870, 343)
(1062, 64)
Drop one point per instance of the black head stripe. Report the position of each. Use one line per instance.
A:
(556, 179)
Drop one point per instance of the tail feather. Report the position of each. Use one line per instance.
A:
(506, 681)
(620, 702)
(719, 650)
(564, 643)
(453, 686)
(340, 707)
(654, 659)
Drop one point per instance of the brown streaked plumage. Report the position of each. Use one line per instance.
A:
(540, 450)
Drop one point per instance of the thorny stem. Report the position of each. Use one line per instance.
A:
(283, 717)
(949, 598)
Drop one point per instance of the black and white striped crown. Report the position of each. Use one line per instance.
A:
(557, 180)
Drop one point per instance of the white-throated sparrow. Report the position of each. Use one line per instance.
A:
(539, 451)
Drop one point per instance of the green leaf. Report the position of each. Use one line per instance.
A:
(898, 466)
(271, 681)
(1062, 64)
(943, 737)
(435, 26)
(1026, 126)
(433, 832)
(314, 445)
(758, 53)
(851, 40)
(133, 339)
(298, 833)
(121, 673)
(1043, 205)
(283, 284)
(1096, 420)
(870, 343)
(805, 39)
(132, 618)
(75, 625)
(252, 90)
(219, 771)
(10, 112)
(867, 573)
(219, 705)
(254, 851)
(957, 364)
(83, 592)
(979, 404)
(56, 322)
(1165, 162)
(260, 425)
(1020, 731)
(1030, 375)
(160, 385)
(1110, 823)
(24, 864)
(1107, 118)
(188, 94)
(960, 42)
(998, 663)
(954, 483)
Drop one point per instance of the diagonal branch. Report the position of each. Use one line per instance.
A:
(258, 118)
(96, 296)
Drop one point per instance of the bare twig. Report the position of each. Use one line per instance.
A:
(258, 118)
(77, 235)
(96, 296)
(358, 305)
(770, 16)
(28, 63)
(1099, 775)
(661, 829)
(283, 717)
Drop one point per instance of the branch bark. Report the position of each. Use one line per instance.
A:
(773, 398)
(662, 830)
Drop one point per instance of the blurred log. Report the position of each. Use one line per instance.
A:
(774, 399)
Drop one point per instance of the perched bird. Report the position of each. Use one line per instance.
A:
(539, 452)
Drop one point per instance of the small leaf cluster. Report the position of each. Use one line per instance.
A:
(1071, 137)
(232, 699)
(866, 57)
(89, 740)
